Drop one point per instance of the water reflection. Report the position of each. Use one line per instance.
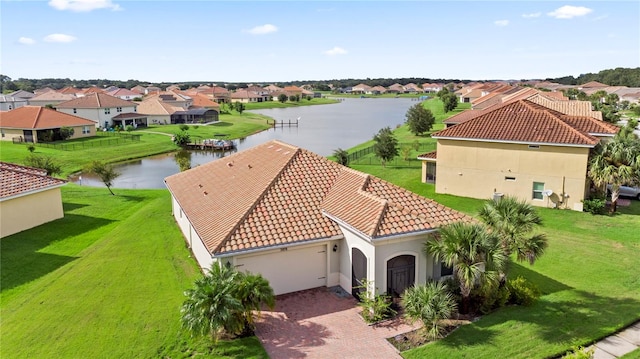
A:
(322, 129)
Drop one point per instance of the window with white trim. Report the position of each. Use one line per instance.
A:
(107, 111)
(75, 110)
(538, 188)
(119, 109)
(86, 130)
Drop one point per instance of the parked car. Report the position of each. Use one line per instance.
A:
(627, 191)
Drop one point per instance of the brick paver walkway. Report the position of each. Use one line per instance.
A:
(320, 323)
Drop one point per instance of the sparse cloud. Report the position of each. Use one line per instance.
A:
(26, 41)
(263, 29)
(531, 15)
(501, 22)
(83, 5)
(336, 51)
(569, 12)
(59, 38)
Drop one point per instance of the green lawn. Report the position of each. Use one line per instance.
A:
(106, 281)
(234, 126)
(589, 280)
(278, 104)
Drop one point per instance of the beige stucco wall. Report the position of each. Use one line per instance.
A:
(7, 134)
(478, 169)
(25, 212)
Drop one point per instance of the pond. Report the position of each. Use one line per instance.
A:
(321, 129)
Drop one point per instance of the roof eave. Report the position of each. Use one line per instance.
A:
(276, 246)
(514, 142)
(26, 193)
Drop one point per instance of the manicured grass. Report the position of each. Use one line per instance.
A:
(106, 281)
(278, 104)
(633, 355)
(234, 126)
(588, 277)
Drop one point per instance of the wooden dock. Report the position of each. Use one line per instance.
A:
(288, 123)
(212, 144)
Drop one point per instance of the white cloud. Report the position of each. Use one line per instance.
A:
(26, 41)
(263, 29)
(336, 51)
(531, 15)
(59, 38)
(83, 5)
(568, 12)
(501, 22)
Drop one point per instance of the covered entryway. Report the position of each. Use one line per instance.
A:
(289, 269)
(401, 274)
(358, 272)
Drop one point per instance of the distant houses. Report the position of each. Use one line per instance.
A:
(41, 124)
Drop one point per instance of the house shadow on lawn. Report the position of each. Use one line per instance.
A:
(546, 284)
(21, 259)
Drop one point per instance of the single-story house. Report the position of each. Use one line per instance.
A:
(28, 198)
(303, 221)
(37, 124)
(522, 149)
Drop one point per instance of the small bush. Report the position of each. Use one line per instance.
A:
(375, 307)
(594, 205)
(522, 291)
(31, 148)
(580, 353)
(129, 128)
(183, 127)
(491, 297)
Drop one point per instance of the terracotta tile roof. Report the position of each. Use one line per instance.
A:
(154, 106)
(276, 193)
(432, 155)
(52, 96)
(528, 122)
(36, 117)
(593, 84)
(69, 90)
(92, 90)
(200, 100)
(463, 116)
(18, 180)
(96, 100)
(573, 107)
(123, 92)
(554, 95)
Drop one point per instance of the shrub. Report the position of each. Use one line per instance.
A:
(183, 127)
(580, 353)
(594, 205)
(430, 303)
(182, 138)
(491, 297)
(31, 148)
(375, 307)
(522, 291)
(66, 132)
(47, 163)
(128, 128)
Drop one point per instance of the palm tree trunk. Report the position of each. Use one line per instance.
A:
(615, 194)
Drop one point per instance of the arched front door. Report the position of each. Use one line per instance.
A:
(401, 273)
(358, 272)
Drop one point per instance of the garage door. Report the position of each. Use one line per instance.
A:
(291, 269)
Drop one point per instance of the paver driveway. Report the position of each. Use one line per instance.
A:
(323, 323)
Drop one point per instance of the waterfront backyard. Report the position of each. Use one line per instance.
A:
(107, 279)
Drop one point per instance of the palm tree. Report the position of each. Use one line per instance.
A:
(615, 163)
(211, 307)
(254, 291)
(223, 301)
(512, 220)
(474, 253)
(429, 303)
(342, 156)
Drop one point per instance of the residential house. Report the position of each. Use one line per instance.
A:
(412, 88)
(395, 88)
(215, 93)
(40, 124)
(272, 88)
(521, 149)
(103, 110)
(431, 87)
(91, 90)
(28, 198)
(157, 111)
(293, 91)
(22, 94)
(124, 94)
(70, 90)
(8, 103)
(377, 90)
(140, 90)
(303, 221)
(52, 98)
(42, 90)
(177, 107)
(244, 96)
(361, 89)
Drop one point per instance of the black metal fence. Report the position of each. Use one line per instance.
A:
(366, 156)
(110, 139)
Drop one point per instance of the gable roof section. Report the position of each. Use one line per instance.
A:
(96, 100)
(275, 194)
(525, 122)
(40, 118)
(154, 106)
(52, 96)
(573, 107)
(16, 180)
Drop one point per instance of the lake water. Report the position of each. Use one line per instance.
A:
(322, 129)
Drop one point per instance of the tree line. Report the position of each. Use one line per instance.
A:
(619, 76)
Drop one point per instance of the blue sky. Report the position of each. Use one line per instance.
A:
(266, 41)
